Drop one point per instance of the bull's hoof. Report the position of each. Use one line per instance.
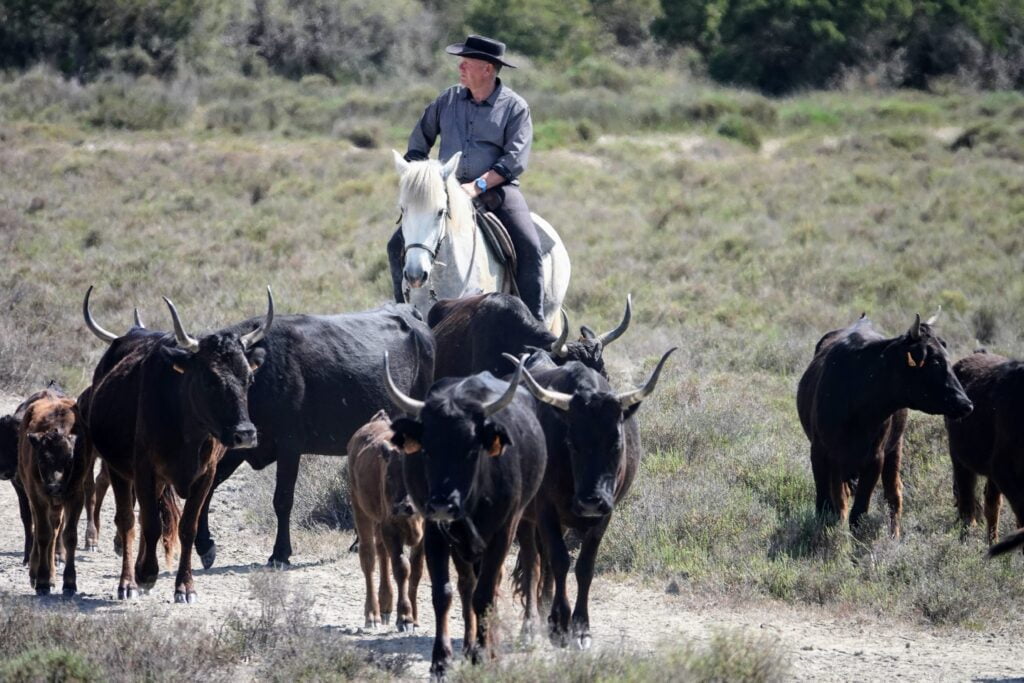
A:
(354, 548)
(275, 563)
(558, 638)
(385, 618)
(42, 589)
(209, 557)
(371, 622)
(127, 592)
(91, 548)
(405, 625)
(146, 583)
(582, 641)
(69, 590)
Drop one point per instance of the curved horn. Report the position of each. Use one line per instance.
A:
(138, 319)
(252, 337)
(544, 395)
(915, 329)
(935, 316)
(184, 340)
(406, 404)
(92, 324)
(608, 337)
(630, 398)
(558, 348)
(510, 393)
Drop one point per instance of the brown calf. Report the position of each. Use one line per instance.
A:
(53, 459)
(386, 523)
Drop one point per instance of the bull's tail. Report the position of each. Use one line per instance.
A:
(170, 517)
(1011, 542)
(519, 587)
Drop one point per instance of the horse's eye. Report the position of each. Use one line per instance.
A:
(440, 213)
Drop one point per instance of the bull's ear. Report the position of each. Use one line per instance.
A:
(35, 439)
(256, 356)
(385, 450)
(494, 438)
(407, 434)
(180, 359)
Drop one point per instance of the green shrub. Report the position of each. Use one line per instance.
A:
(142, 104)
(537, 28)
(55, 664)
(740, 129)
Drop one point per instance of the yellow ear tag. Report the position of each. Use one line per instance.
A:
(411, 446)
(179, 369)
(496, 447)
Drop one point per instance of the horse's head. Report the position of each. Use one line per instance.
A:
(424, 191)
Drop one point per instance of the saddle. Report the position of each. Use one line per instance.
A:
(501, 244)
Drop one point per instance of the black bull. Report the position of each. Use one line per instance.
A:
(474, 458)
(322, 379)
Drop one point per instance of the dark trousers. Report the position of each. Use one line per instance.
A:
(508, 204)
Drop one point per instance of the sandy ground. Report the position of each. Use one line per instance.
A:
(625, 612)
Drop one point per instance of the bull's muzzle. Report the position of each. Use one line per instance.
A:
(403, 509)
(961, 408)
(597, 505)
(447, 509)
(243, 436)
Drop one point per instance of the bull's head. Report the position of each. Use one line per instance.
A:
(217, 372)
(53, 450)
(453, 437)
(589, 348)
(594, 418)
(95, 327)
(924, 374)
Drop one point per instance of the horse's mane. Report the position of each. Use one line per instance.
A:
(418, 190)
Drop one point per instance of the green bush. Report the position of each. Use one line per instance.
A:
(537, 28)
(55, 664)
(143, 104)
(740, 129)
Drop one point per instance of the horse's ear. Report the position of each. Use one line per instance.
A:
(450, 167)
(401, 165)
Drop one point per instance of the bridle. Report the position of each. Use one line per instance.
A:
(440, 237)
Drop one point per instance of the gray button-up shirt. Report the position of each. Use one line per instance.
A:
(495, 134)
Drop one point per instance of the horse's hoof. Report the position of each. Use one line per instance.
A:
(274, 563)
(385, 618)
(209, 557)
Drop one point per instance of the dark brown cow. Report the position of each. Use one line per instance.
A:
(189, 399)
(990, 441)
(853, 400)
(53, 458)
(386, 522)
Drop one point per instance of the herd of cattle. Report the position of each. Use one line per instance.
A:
(465, 432)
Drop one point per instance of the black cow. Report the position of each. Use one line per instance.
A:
(322, 380)
(472, 333)
(853, 400)
(990, 441)
(593, 445)
(474, 458)
(190, 396)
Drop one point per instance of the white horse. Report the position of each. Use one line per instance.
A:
(446, 255)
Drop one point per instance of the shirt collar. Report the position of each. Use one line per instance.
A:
(491, 99)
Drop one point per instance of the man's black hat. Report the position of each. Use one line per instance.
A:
(480, 47)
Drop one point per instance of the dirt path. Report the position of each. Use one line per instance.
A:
(626, 613)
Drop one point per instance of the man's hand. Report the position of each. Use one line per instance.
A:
(471, 189)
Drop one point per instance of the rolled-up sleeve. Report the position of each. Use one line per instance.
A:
(424, 133)
(518, 141)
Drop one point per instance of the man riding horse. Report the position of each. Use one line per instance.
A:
(490, 124)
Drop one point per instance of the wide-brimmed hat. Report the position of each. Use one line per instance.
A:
(481, 47)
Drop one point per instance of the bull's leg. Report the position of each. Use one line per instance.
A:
(438, 554)
(839, 492)
(415, 573)
(284, 497)
(72, 511)
(892, 486)
(102, 484)
(147, 567)
(206, 548)
(466, 584)
(584, 576)
(40, 544)
(528, 575)
(124, 520)
(395, 549)
(487, 581)
(367, 560)
(993, 499)
(866, 482)
(198, 492)
(822, 470)
(558, 559)
(385, 594)
(26, 518)
(964, 484)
